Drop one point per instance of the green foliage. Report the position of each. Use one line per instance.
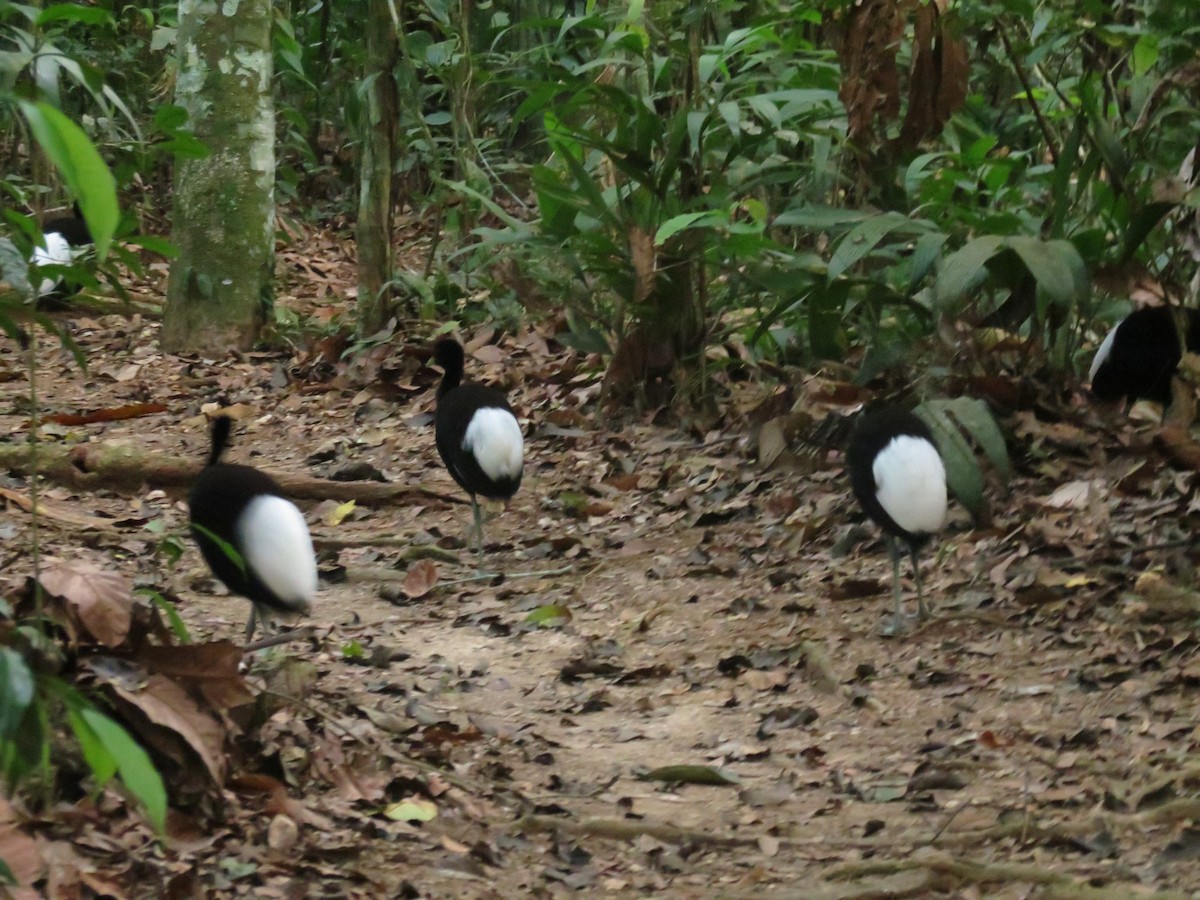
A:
(18, 691)
(641, 178)
(955, 421)
(109, 751)
(86, 176)
(29, 702)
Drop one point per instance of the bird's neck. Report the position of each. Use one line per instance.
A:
(450, 381)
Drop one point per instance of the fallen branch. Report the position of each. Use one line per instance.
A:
(1156, 597)
(969, 871)
(629, 830)
(112, 466)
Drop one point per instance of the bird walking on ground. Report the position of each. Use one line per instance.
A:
(1139, 357)
(255, 541)
(65, 239)
(478, 436)
(899, 481)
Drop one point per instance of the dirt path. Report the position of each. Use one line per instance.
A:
(1037, 730)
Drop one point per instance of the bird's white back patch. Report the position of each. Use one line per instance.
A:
(57, 252)
(275, 544)
(1102, 353)
(910, 483)
(494, 438)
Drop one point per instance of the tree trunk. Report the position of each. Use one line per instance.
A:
(220, 289)
(378, 154)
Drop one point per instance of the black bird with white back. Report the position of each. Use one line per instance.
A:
(899, 480)
(255, 540)
(478, 435)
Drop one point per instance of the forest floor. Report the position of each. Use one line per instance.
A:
(662, 602)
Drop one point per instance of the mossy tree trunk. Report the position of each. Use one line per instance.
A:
(377, 160)
(220, 289)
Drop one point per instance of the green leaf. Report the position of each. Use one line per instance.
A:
(1140, 226)
(16, 690)
(826, 308)
(552, 615)
(14, 268)
(975, 417)
(223, 545)
(169, 117)
(731, 113)
(167, 608)
(924, 255)
(133, 763)
(864, 238)
(819, 218)
(1145, 53)
(95, 754)
(86, 175)
(414, 809)
(676, 224)
(963, 476)
(1055, 265)
(74, 12)
(964, 270)
(691, 775)
(6, 875)
(948, 419)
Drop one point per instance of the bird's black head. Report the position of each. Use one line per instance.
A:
(221, 427)
(448, 353)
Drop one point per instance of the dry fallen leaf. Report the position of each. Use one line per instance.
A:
(99, 599)
(420, 578)
(167, 705)
(19, 850)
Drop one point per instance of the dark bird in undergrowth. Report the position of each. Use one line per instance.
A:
(255, 541)
(1139, 357)
(478, 436)
(899, 481)
(65, 240)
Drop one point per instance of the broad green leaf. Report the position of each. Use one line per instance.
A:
(414, 809)
(95, 753)
(552, 615)
(14, 268)
(820, 218)
(1141, 225)
(1055, 265)
(133, 763)
(169, 117)
(864, 238)
(676, 224)
(977, 420)
(74, 12)
(766, 110)
(16, 690)
(963, 476)
(964, 270)
(6, 875)
(731, 113)
(826, 307)
(692, 775)
(1145, 53)
(924, 255)
(86, 175)
(159, 245)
